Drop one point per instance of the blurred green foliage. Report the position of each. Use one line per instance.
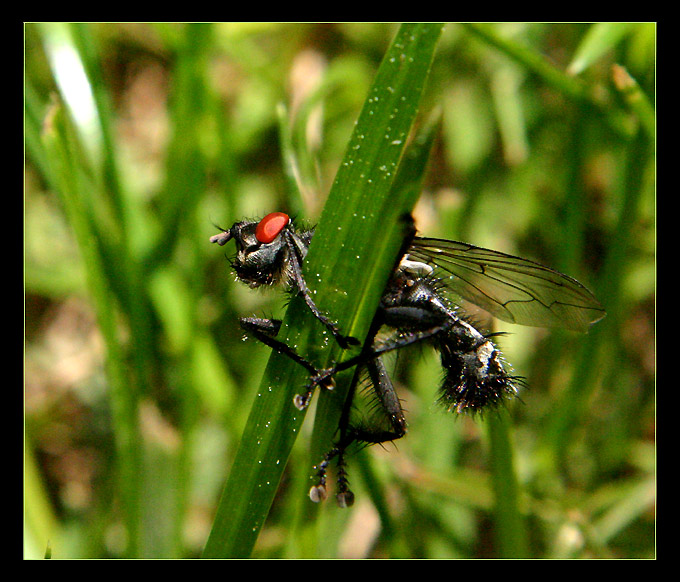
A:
(139, 137)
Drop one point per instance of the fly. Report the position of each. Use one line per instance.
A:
(415, 306)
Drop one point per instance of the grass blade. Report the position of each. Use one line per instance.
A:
(61, 148)
(511, 534)
(350, 270)
(600, 38)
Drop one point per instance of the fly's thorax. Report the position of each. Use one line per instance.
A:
(412, 301)
(415, 268)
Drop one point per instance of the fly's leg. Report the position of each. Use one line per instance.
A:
(298, 252)
(318, 492)
(324, 377)
(390, 427)
(266, 330)
(296, 271)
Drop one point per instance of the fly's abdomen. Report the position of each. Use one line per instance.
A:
(474, 373)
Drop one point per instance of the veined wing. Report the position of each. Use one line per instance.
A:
(511, 288)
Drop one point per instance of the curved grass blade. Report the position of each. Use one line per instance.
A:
(347, 266)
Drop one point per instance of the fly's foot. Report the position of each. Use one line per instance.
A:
(344, 497)
(301, 401)
(318, 492)
(323, 378)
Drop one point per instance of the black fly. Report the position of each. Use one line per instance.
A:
(416, 307)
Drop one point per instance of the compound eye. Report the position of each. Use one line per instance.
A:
(271, 226)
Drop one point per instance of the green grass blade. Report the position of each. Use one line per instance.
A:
(636, 99)
(572, 87)
(61, 148)
(510, 529)
(601, 37)
(354, 249)
(531, 61)
(88, 52)
(574, 401)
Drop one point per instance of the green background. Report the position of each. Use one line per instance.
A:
(138, 385)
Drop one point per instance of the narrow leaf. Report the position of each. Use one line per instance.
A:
(350, 258)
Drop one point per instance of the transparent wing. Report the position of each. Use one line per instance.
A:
(511, 288)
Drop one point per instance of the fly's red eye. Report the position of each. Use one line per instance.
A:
(271, 226)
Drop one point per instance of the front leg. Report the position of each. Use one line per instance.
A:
(266, 330)
(295, 266)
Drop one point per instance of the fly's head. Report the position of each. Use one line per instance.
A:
(262, 248)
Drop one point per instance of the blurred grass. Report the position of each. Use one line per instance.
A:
(132, 342)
